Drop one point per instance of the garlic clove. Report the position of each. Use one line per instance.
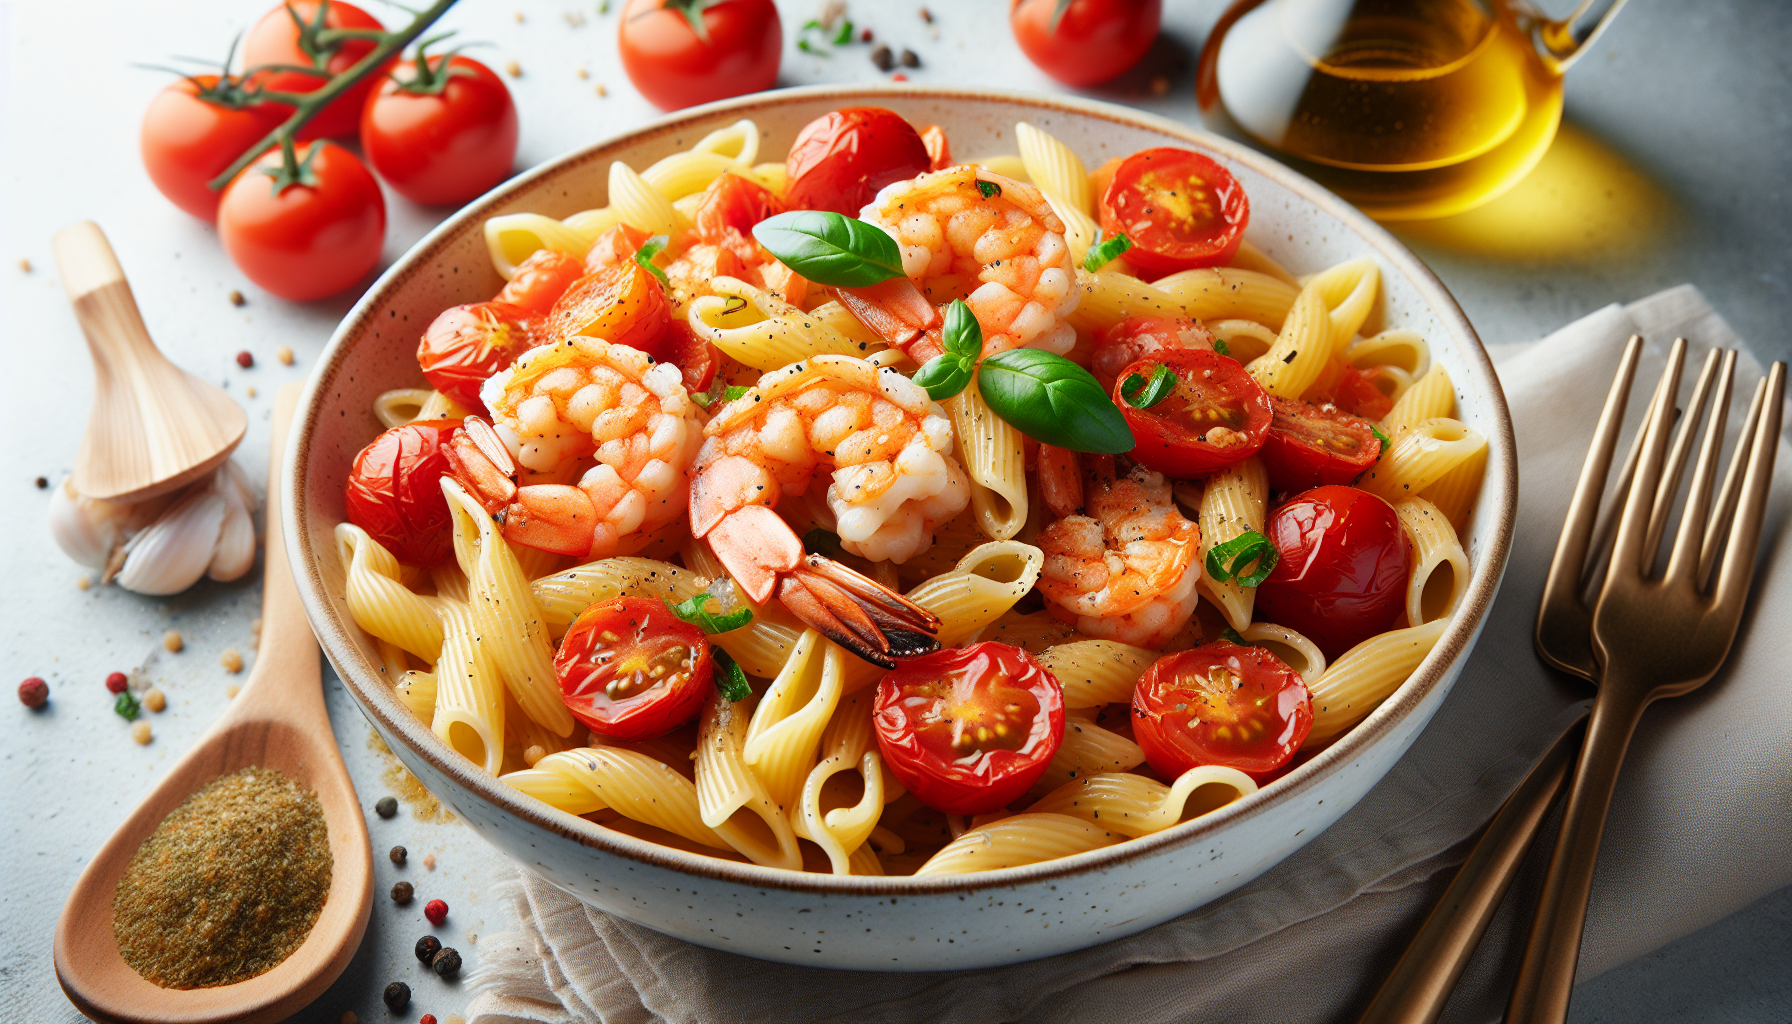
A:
(234, 553)
(86, 529)
(176, 549)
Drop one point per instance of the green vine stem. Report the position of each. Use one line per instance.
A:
(307, 105)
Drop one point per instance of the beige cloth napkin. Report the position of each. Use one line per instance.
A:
(1699, 828)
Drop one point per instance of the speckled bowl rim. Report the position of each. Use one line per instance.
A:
(380, 702)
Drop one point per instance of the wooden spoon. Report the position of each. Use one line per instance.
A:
(277, 721)
(154, 426)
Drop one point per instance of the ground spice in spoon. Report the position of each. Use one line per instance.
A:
(228, 885)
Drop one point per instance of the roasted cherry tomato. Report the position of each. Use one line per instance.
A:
(694, 356)
(631, 670)
(195, 129)
(395, 492)
(615, 247)
(732, 201)
(840, 159)
(1350, 389)
(540, 280)
(1180, 210)
(623, 305)
(969, 730)
(1085, 42)
(466, 344)
(304, 241)
(1341, 575)
(1136, 337)
(1215, 414)
(675, 66)
(286, 35)
(1310, 444)
(1220, 703)
(444, 139)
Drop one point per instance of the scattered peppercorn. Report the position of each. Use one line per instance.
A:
(42, 482)
(236, 298)
(427, 948)
(883, 58)
(446, 963)
(126, 706)
(231, 659)
(83, 581)
(284, 355)
(513, 69)
(251, 391)
(116, 682)
(401, 893)
(33, 692)
(865, 36)
(927, 15)
(429, 861)
(397, 855)
(910, 59)
(397, 996)
(428, 1018)
(25, 265)
(898, 77)
(436, 911)
(172, 641)
(141, 732)
(231, 691)
(245, 359)
(386, 807)
(154, 700)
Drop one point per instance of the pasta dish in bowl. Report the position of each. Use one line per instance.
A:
(858, 512)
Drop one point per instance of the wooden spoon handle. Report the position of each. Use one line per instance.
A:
(108, 312)
(85, 260)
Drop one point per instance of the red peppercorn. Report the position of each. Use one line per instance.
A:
(436, 911)
(428, 1018)
(116, 682)
(898, 77)
(244, 359)
(33, 692)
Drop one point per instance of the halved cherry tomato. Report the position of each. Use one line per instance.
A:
(623, 305)
(1136, 337)
(673, 65)
(969, 730)
(441, 147)
(1220, 703)
(304, 241)
(631, 670)
(395, 492)
(466, 344)
(615, 247)
(1313, 444)
(1180, 210)
(732, 201)
(1341, 575)
(1085, 42)
(696, 357)
(540, 280)
(1215, 414)
(840, 159)
(279, 39)
(188, 139)
(1350, 389)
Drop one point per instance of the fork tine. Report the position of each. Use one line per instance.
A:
(1677, 454)
(1628, 561)
(1719, 525)
(1738, 569)
(1683, 564)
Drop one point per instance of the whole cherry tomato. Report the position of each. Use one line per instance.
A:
(1085, 42)
(623, 305)
(395, 492)
(309, 239)
(674, 65)
(1310, 444)
(840, 159)
(1214, 415)
(466, 344)
(288, 35)
(193, 131)
(443, 136)
(1136, 337)
(1341, 573)
(1180, 209)
(540, 280)
(631, 670)
(733, 203)
(969, 730)
(1220, 703)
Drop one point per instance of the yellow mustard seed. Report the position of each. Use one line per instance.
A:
(172, 641)
(512, 69)
(283, 354)
(534, 753)
(83, 581)
(154, 700)
(231, 691)
(231, 659)
(141, 732)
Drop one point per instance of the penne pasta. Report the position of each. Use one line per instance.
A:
(1439, 574)
(989, 448)
(730, 796)
(1430, 397)
(1365, 675)
(1134, 806)
(1096, 672)
(1222, 293)
(763, 331)
(1420, 457)
(1232, 506)
(1017, 840)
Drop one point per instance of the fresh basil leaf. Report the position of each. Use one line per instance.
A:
(694, 612)
(1251, 550)
(989, 189)
(730, 678)
(844, 36)
(963, 335)
(1101, 253)
(1383, 438)
(944, 376)
(1220, 346)
(649, 249)
(821, 542)
(947, 374)
(1051, 399)
(808, 47)
(126, 705)
(1146, 393)
(831, 249)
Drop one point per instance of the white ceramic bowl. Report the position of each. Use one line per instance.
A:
(896, 923)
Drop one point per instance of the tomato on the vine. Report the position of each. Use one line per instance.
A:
(1311, 444)
(1221, 703)
(674, 64)
(395, 492)
(1180, 209)
(631, 670)
(288, 35)
(840, 159)
(969, 730)
(1340, 575)
(1213, 415)
(1085, 42)
(193, 131)
(442, 134)
(312, 237)
(464, 345)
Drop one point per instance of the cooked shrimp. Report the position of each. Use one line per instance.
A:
(1120, 559)
(564, 403)
(893, 479)
(966, 233)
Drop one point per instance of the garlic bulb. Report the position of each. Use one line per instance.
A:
(163, 545)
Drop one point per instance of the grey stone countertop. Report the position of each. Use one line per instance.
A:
(1673, 165)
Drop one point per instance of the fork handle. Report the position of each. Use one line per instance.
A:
(1546, 975)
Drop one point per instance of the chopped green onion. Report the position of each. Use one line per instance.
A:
(1101, 253)
(1220, 346)
(1143, 394)
(126, 705)
(989, 189)
(730, 678)
(649, 249)
(1251, 550)
(694, 612)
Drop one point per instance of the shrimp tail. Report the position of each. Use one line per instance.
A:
(896, 311)
(858, 613)
(479, 460)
